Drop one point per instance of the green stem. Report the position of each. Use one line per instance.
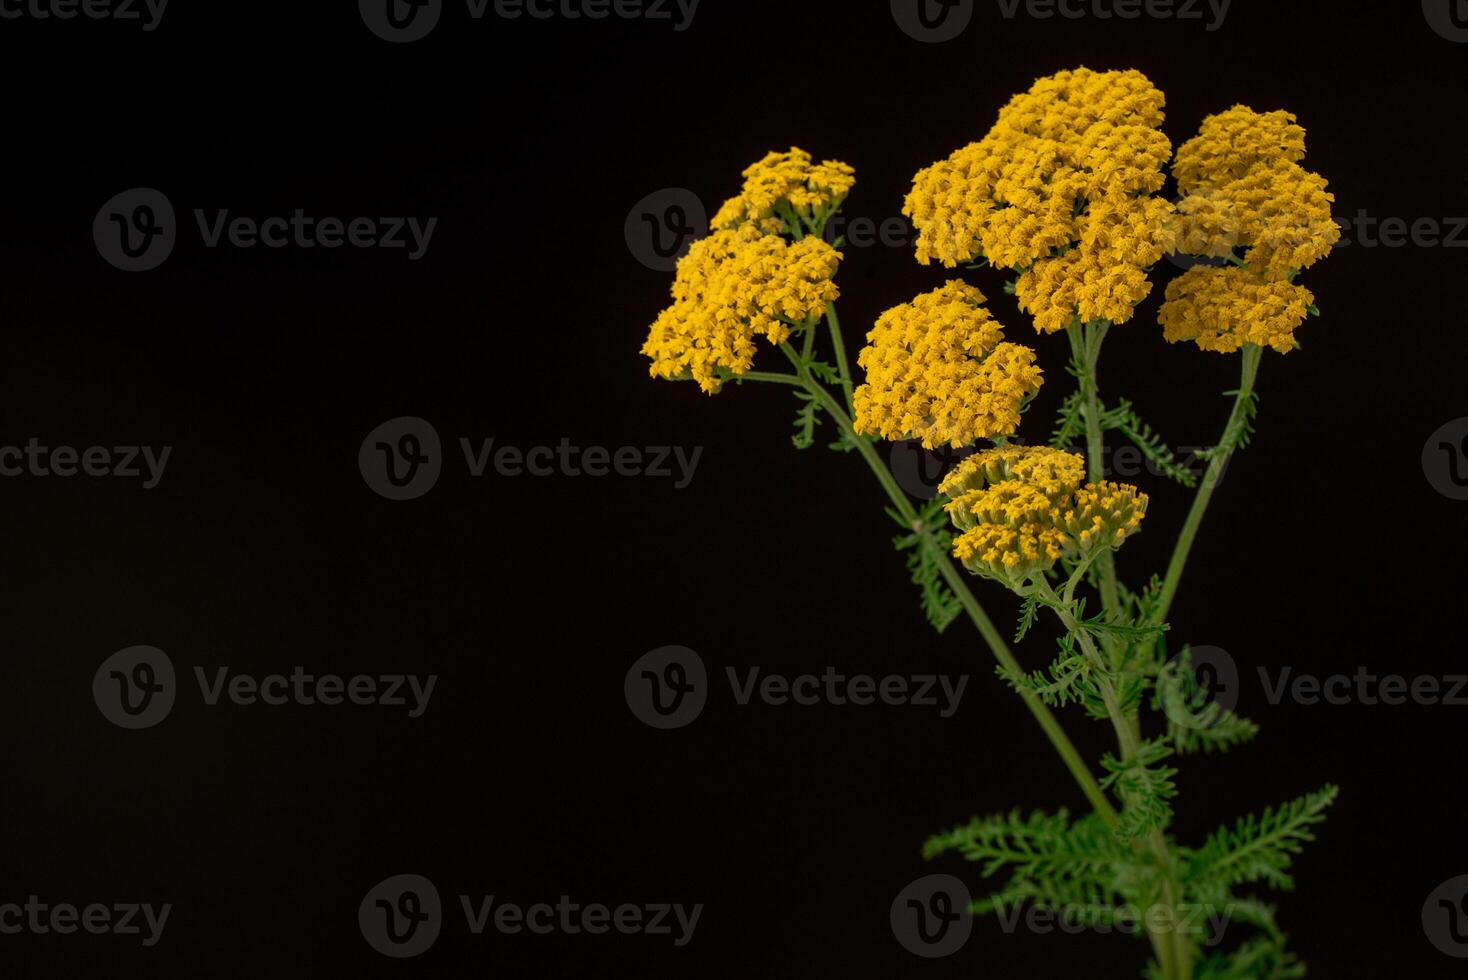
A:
(1086, 344)
(1042, 714)
(1170, 945)
(842, 366)
(1249, 372)
(771, 376)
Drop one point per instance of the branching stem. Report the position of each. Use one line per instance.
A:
(1046, 719)
(1249, 373)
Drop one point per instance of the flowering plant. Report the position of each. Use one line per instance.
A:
(1063, 193)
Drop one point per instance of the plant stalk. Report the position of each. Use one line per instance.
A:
(1086, 344)
(997, 645)
(1249, 372)
(1170, 945)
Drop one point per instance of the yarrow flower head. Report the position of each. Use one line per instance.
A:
(1224, 309)
(1020, 509)
(1063, 191)
(785, 194)
(938, 370)
(1244, 188)
(734, 286)
(1231, 144)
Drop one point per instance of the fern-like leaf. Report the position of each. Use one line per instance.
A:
(1070, 422)
(925, 546)
(846, 441)
(1260, 958)
(1195, 721)
(1259, 848)
(1239, 432)
(1070, 867)
(1067, 679)
(1125, 420)
(1027, 614)
(824, 372)
(1145, 787)
(805, 421)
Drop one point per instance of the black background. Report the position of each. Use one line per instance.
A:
(528, 778)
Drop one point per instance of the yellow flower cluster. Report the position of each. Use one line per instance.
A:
(731, 287)
(1223, 309)
(1020, 509)
(1244, 187)
(1230, 144)
(938, 370)
(1062, 189)
(810, 191)
(1103, 515)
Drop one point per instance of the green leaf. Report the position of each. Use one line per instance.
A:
(1125, 420)
(1145, 787)
(805, 421)
(824, 372)
(1196, 722)
(1027, 614)
(1070, 422)
(846, 441)
(1132, 631)
(927, 546)
(1066, 680)
(1260, 958)
(1240, 432)
(1259, 848)
(1078, 868)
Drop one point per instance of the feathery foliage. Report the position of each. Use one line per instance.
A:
(1195, 721)
(1125, 420)
(926, 546)
(1145, 787)
(1262, 848)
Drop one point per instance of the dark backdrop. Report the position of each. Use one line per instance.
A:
(262, 548)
